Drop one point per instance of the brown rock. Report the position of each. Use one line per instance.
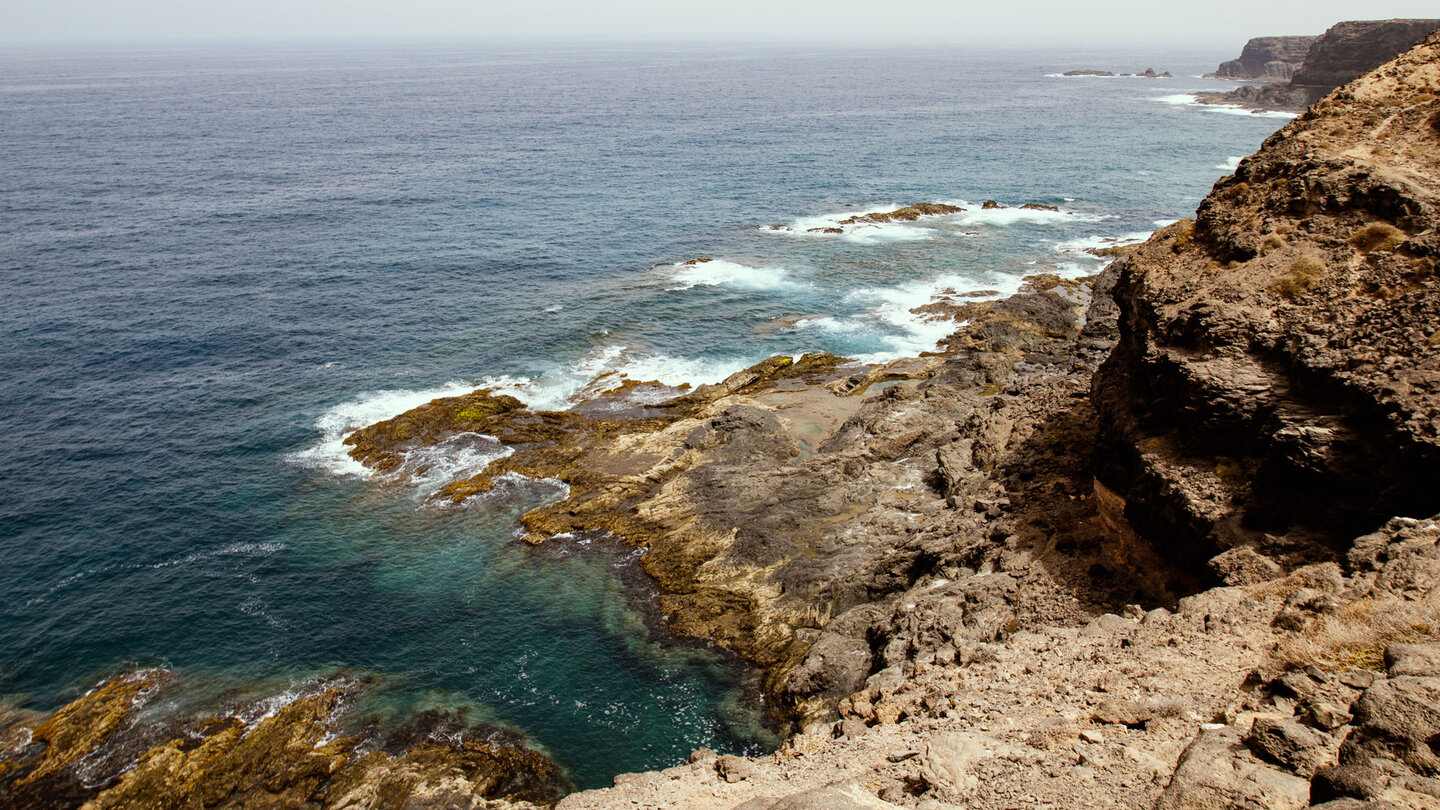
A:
(1124, 712)
(733, 768)
(1216, 771)
(1285, 742)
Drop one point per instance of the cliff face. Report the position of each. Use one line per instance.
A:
(1350, 49)
(1267, 58)
(1277, 380)
(1341, 54)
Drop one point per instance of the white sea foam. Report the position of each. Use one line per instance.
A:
(1014, 215)
(469, 453)
(889, 309)
(926, 227)
(863, 233)
(1077, 248)
(1193, 100)
(331, 454)
(1231, 163)
(716, 272)
(606, 367)
(457, 458)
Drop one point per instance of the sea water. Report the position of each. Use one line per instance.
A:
(217, 260)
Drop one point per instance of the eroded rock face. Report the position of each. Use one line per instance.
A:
(1277, 382)
(1267, 59)
(119, 747)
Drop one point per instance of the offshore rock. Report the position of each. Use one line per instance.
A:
(909, 213)
(1277, 381)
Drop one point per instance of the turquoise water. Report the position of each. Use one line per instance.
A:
(217, 260)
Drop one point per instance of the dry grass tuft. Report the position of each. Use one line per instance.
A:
(1377, 236)
(1356, 636)
(1304, 272)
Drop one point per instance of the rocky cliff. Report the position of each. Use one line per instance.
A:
(1341, 54)
(1350, 49)
(1267, 59)
(1275, 381)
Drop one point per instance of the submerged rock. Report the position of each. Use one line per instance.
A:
(909, 213)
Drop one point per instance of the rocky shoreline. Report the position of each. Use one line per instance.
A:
(1161, 537)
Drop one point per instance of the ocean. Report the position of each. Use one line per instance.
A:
(219, 259)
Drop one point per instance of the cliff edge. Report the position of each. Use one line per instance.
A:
(1276, 375)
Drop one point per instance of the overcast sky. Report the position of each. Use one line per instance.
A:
(1077, 22)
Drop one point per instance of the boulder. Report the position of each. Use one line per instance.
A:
(1285, 742)
(1413, 659)
(1216, 772)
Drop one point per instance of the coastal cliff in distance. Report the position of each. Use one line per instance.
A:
(1344, 52)
(1166, 537)
(1267, 59)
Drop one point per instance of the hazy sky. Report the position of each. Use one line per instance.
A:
(1137, 22)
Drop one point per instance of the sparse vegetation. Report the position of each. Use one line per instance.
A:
(1303, 274)
(1182, 238)
(1377, 236)
(1355, 637)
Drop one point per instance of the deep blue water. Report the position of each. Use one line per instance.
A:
(216, 260)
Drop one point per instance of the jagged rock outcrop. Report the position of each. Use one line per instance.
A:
(1267, 59)
(1277, 381)
(1341, 54)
